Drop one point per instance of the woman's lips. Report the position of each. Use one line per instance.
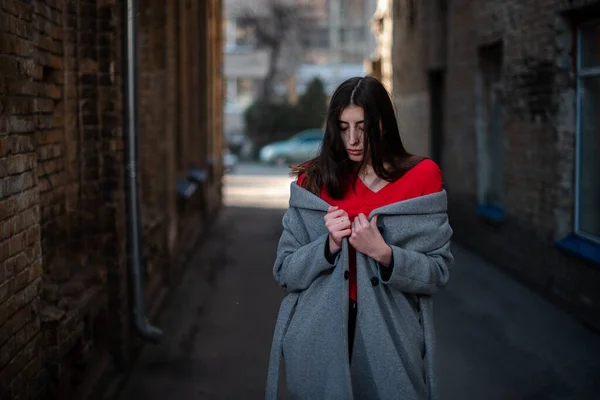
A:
(355, 152)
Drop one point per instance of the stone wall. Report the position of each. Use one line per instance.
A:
(538, 129)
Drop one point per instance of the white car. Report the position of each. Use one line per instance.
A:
(299, 148)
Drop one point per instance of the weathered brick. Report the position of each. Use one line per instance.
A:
(15, 322)
(538, 125)
(20, 124)
(4, 272)
(21, 10)
(62, 203)
(7, 351)
(19, 105)
(19, 300)
(21, 360)
(43, 105)
(22, 87)
(6, 290)
(21, 280)
(4, 250)
(31, 69)
(25, 334)
(35, 271)
(18, 164)
(13, 45)
(17, 387)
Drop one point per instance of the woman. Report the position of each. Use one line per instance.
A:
(365, 243)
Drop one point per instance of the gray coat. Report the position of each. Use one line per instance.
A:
(394, 347)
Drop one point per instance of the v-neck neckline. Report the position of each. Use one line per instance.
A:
(371, 191)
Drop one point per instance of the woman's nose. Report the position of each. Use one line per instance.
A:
(354, 137)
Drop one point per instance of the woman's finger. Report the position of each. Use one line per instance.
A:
(342, 234)
(373, 222)
(335, 214)
(362, 220)
(337, 224)
(343, 220)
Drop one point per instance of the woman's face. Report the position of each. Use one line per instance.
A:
(351, 126)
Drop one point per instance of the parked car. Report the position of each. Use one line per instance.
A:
(299, 148)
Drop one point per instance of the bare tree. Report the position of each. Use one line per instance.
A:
(276, 27)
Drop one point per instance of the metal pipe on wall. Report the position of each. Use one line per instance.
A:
(145, 329)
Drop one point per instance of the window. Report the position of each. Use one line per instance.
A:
(587, 200)
(231, 91)
(230, 34)
(243, 87)
(244, 34)
(490, 136)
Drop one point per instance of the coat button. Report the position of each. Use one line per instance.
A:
(346, 274)
(374, 281)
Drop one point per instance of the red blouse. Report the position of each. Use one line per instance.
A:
(423, 179)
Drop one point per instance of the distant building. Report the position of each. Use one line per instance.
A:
(244, 72)
(245, 66)
(341, 36)
(505, 98)
(331, 75)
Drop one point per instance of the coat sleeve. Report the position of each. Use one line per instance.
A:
(418, 273)
(298, 264)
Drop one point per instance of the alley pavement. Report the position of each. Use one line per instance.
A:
(497, 339)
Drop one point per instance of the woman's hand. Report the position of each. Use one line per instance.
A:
(338, 225)
(366, 239)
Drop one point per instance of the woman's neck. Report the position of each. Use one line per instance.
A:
(366, 169)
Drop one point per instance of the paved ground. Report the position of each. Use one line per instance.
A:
(497, 339)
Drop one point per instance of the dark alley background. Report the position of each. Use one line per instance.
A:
(143, 154)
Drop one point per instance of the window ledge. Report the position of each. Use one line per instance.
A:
(580, 247)
(185, 189)
(199, 175)
(492, 214)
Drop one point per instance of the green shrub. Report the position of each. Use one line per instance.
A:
(268, 121)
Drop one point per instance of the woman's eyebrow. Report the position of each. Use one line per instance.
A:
(348, 123)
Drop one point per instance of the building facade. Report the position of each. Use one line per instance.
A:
(75, 104)
(504, 96)
(245, 65)
(336, 30)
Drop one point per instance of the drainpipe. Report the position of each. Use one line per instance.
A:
(145, 329)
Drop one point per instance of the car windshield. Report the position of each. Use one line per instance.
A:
(308, 135)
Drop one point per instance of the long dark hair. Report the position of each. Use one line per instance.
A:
(332, 168)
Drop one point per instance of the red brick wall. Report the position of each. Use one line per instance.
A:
(539, 130)
(26, 104)
(63, 249)
(173, 125)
